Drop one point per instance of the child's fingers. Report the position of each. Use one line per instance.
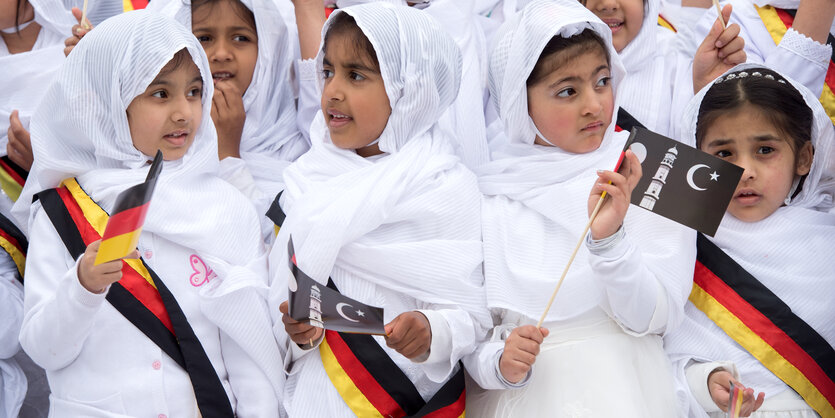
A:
(728, 36)
(530, 332)
(132, 255)
(76, 13)
(635, 170)
(545, 332)
(737, 57)
(94, 246)
(726, 13)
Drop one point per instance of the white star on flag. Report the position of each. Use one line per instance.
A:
(360, 313)
(714, 176)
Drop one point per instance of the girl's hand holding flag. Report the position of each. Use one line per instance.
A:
(409, 334)
(520, 351)
(78, 31)
(721, 50)
(96, 278)
(619, 187)
(719, 385)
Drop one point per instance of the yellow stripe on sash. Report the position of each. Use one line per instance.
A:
(10, 185)
(758, 348)
(665, 24)
(97, 217)
(349, 392)
(17, 256)
(127, 5)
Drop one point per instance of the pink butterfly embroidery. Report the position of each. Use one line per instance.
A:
(202, 273)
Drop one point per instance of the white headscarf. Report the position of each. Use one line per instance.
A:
(270, 138)
(406, 221)
(26, 74)
(792, 257)
(524, 253)
(81, 130)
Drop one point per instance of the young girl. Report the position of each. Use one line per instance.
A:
(772, 254)
(466, 125)
(659, 83)
(181, 332)
(381, 207)
(790, 36)
(555, 77)
(250, 54)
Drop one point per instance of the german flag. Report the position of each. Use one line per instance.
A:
(14, 243)
(760, 322)
(128, 5)
(125, 225)
(276, 214)
(12, 177)
(625, 121)
(140, 295)
(778, 21)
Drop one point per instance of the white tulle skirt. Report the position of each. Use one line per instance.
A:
(590, 368)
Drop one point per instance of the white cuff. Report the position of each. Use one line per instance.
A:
(807, 48)
(614, 246)
(508, 384)
(78, 293)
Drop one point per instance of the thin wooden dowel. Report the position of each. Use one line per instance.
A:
(571, 260)
(718, 10)
(84, 16)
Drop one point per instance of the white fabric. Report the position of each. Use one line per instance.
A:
(12, 379)
(790, 58)
(81, 130)
(795, 241)
(270, 139)
(534, 211)
(400, 230)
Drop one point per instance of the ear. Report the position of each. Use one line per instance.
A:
(804, 159)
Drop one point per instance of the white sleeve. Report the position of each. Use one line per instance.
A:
(635, 295)
(310, 98)
(802, 59)
(697, 374)
(11, 307)
(59, 313)
(455, 334)
(254, 394)
(483, 364)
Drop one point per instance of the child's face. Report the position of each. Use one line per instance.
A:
(166, 116)
(573, 105)
(230, 42)
(354, 100)
(624, 17)
(750, 140)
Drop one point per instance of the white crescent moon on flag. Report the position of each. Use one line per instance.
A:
(339, 307)
(690, 173)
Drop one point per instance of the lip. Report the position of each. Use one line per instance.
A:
(614, 24)
(177, 138)
(594, 126)
(747, 197)
(337, 119)
(222, 75)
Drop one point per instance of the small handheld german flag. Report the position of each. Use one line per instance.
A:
(735, 404)
(123, 228)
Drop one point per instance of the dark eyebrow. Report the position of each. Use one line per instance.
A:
(576, 78)
(196, 79)
(719, 142)
(358, 66)
(766, 137)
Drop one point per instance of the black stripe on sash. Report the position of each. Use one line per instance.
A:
(16, 168)
(185, 349)
(275, 213)
(766, 302)
(384, 370)
(447, 395)
(626, 121)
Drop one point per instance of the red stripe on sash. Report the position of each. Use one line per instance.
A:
(12, 241)
(763, 327)
(12, 173)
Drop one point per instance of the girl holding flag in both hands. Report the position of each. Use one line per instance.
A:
(760, 314)
(183, 332)
(382, 207)
(554, 76)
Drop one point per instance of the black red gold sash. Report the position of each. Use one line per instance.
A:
(778, 21)
(625, 121)
(664, 23)
(765, 326)
(12, 177)
(13, 242)
(140, 296)
(129, 5)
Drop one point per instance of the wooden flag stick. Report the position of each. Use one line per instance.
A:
(84, 16)
(715, 3)
(571, 260)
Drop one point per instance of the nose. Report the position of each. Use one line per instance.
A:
(749, 169)
(220, 51)
(182, 110)
(332, 91)
(592, 103)
(605, 6)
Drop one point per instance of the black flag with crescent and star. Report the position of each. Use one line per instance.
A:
(323, 306)
(682, 183)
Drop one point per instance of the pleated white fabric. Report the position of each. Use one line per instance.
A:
(792, 257)
(270, 139)
(466, 126)
(383, 219)
(26, 74)
(81, 130)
